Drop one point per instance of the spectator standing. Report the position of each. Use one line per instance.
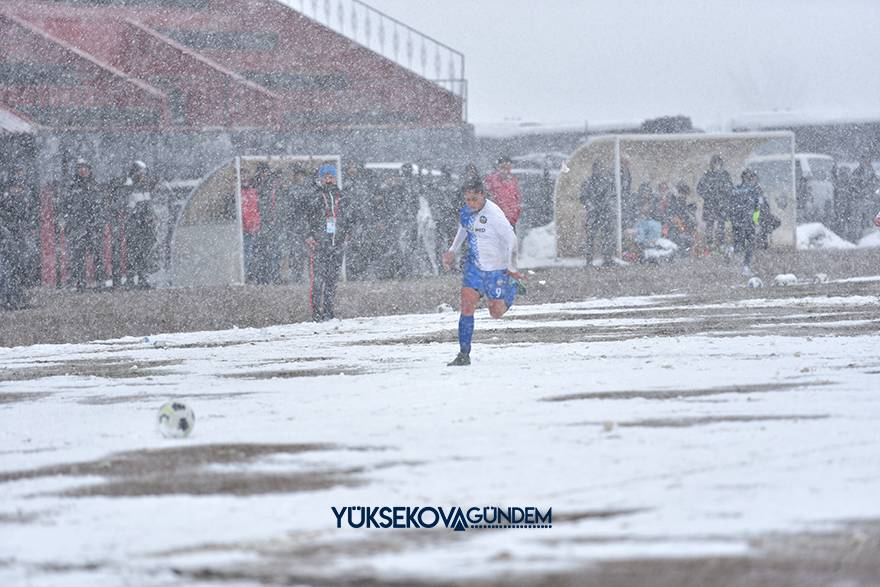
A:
(844, 206)
(250, 228)
(864, 185)
(359, 194)
(599, 198)
(18, 222)
(299, 193)
(503, 189)
(446, 204)
(82, 215)
(715, 188)
(751, 218)
(329, 225)
(408, 196)
(377, 227)
(271, 233)
(134, 202)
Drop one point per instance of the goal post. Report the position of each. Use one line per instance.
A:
(649, 160)
(207, 247)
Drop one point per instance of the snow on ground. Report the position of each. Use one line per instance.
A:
(870, 240)
(538, 248)
(816, 235)
(652, 439)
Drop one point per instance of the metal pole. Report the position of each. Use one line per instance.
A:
(238, 219)
(618, 189)
(793, 193)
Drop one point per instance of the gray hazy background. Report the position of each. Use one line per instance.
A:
(571, 60)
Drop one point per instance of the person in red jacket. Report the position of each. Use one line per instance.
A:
(503, 189)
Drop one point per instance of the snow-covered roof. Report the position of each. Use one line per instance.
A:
(13, 124)
(759, 120)
(787, 157)
(505, 130)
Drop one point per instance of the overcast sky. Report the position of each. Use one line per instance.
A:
(621, 60)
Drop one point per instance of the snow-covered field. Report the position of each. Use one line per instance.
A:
(652, 426)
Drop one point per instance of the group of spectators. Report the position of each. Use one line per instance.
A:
(401, 218)
(109, 228)
(387, 223)
(661, 222)
(390, 222)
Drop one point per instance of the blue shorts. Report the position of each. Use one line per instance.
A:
(494, 285)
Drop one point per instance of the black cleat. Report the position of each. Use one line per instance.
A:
(460, 360)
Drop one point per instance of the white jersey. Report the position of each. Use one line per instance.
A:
(491, 240)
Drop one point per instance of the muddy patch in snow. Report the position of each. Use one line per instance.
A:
(666, 394)
(188, 471)
(115, 368)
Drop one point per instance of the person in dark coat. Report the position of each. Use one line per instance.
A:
(81, 215)
(359, 189)
(299, 193)
(329, 226)
(843, 201)
(599, 198)
(751, 218)
(270, 238)
(18, 222)
(134, 207)
(715, 187)
(445, 206)
(864, 184)
(682, 224)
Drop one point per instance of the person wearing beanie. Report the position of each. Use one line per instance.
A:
(490, 263)
(328, 228)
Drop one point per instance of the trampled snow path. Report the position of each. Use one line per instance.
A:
(648, 425)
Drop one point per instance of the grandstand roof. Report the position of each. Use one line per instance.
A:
(201, 63)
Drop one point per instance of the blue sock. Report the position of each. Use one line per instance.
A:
(465, 333)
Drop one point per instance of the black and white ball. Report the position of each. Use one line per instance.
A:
(755, 283)
(175, 420)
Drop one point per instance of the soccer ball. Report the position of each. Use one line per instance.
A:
(755, 283)
(175, 420)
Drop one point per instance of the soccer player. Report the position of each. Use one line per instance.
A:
(490, 263)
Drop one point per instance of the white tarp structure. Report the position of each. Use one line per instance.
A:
(673, 159)
(207, 248)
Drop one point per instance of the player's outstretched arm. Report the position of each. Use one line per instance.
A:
(449, 256)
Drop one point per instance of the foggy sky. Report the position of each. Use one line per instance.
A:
(572, 60)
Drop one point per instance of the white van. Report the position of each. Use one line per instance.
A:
(813, 180)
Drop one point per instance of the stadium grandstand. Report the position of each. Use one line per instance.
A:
(187, 84)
